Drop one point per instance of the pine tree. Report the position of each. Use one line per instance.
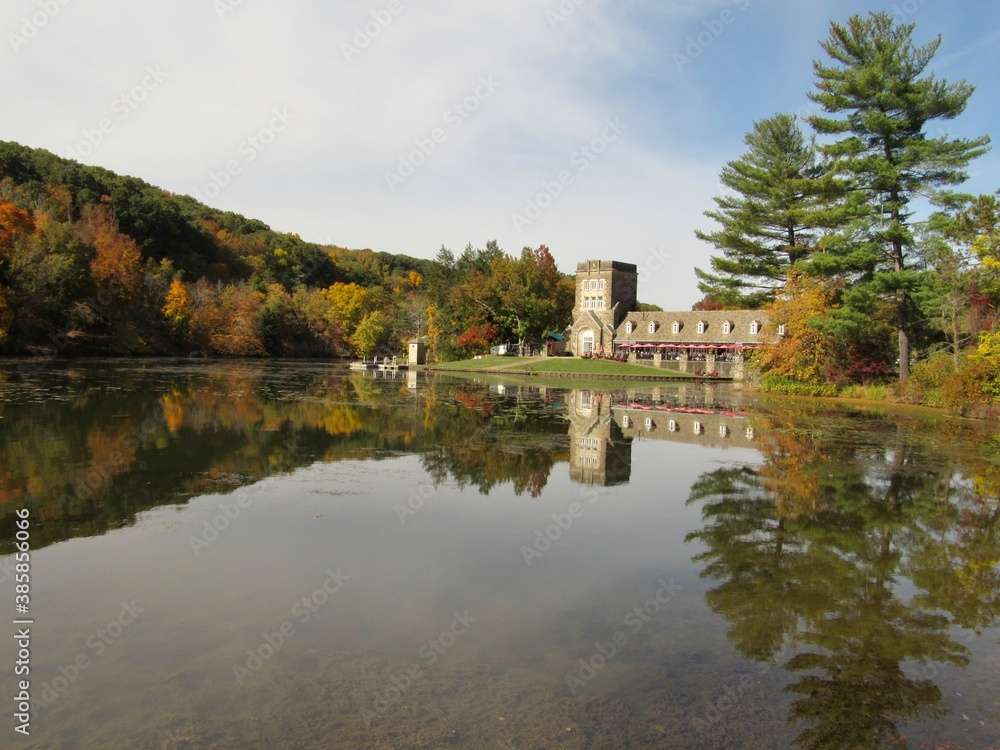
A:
(770, 220)
(882, 102)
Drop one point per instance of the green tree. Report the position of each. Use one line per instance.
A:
(881, 102)
(371, 335)
(769, 219)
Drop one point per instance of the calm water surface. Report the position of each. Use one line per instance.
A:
(282, 555)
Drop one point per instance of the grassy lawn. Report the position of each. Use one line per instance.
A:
(599, 367)
(572, 365)
(480, 364)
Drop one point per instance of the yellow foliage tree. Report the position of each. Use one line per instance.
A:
(803, 353)
(349, 304)
(177, 308)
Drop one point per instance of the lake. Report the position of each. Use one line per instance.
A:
(287, 555)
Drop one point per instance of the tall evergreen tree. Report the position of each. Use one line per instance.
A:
(881, 102)
(769, 220)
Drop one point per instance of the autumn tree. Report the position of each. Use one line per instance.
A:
(372, 334)
(523, 297)
(117, 264)
(878, 103)
(177, 309)
(804, 352)
(14, 223)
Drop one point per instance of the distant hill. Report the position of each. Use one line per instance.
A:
(184, 231)
(92, 262)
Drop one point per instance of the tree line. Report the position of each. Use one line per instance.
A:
(855, 236)
(96, 263)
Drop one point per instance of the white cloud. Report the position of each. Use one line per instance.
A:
(324, 175)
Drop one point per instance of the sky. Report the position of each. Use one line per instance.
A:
(595, 127)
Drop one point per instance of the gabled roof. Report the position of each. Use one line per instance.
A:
(664, 333)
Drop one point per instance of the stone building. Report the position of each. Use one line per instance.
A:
(605, 322)
(598, 453)
(605, 293)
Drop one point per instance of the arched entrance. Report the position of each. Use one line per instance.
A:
(586, 342)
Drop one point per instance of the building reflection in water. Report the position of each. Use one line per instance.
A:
(603, 425)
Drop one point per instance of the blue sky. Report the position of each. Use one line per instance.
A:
(595, 127)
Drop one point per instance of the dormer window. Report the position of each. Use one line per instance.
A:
(781, 329)
(652, 327)
(626, 421)
(698, 428)
(702, 326)
(629, 327)
(727, 327)
(649, 424)
(754, 328)
(677, 326)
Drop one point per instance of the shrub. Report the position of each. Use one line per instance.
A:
(778, 384)
(926, 377)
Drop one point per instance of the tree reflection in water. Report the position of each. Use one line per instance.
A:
(862, 551)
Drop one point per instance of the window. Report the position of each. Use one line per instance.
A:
(727, 327)
(781, 329)
(649, 423)
(626, 422)
(652, 327)
(754, 328)
(672, 425)
(677, 326)
(702, 326)
(698, 428)
(600, 285)
(600, 303)
(587, 342)
(629, 327)
(723, 431)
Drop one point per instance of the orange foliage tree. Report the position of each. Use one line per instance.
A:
(14, 223)
(117, 264)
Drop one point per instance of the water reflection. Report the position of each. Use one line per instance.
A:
(851, 558)
(857, 559)
(90, 446)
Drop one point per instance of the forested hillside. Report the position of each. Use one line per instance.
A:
(92, 262)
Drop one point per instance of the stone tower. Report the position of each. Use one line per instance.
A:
(598, 452)
(605, 293)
